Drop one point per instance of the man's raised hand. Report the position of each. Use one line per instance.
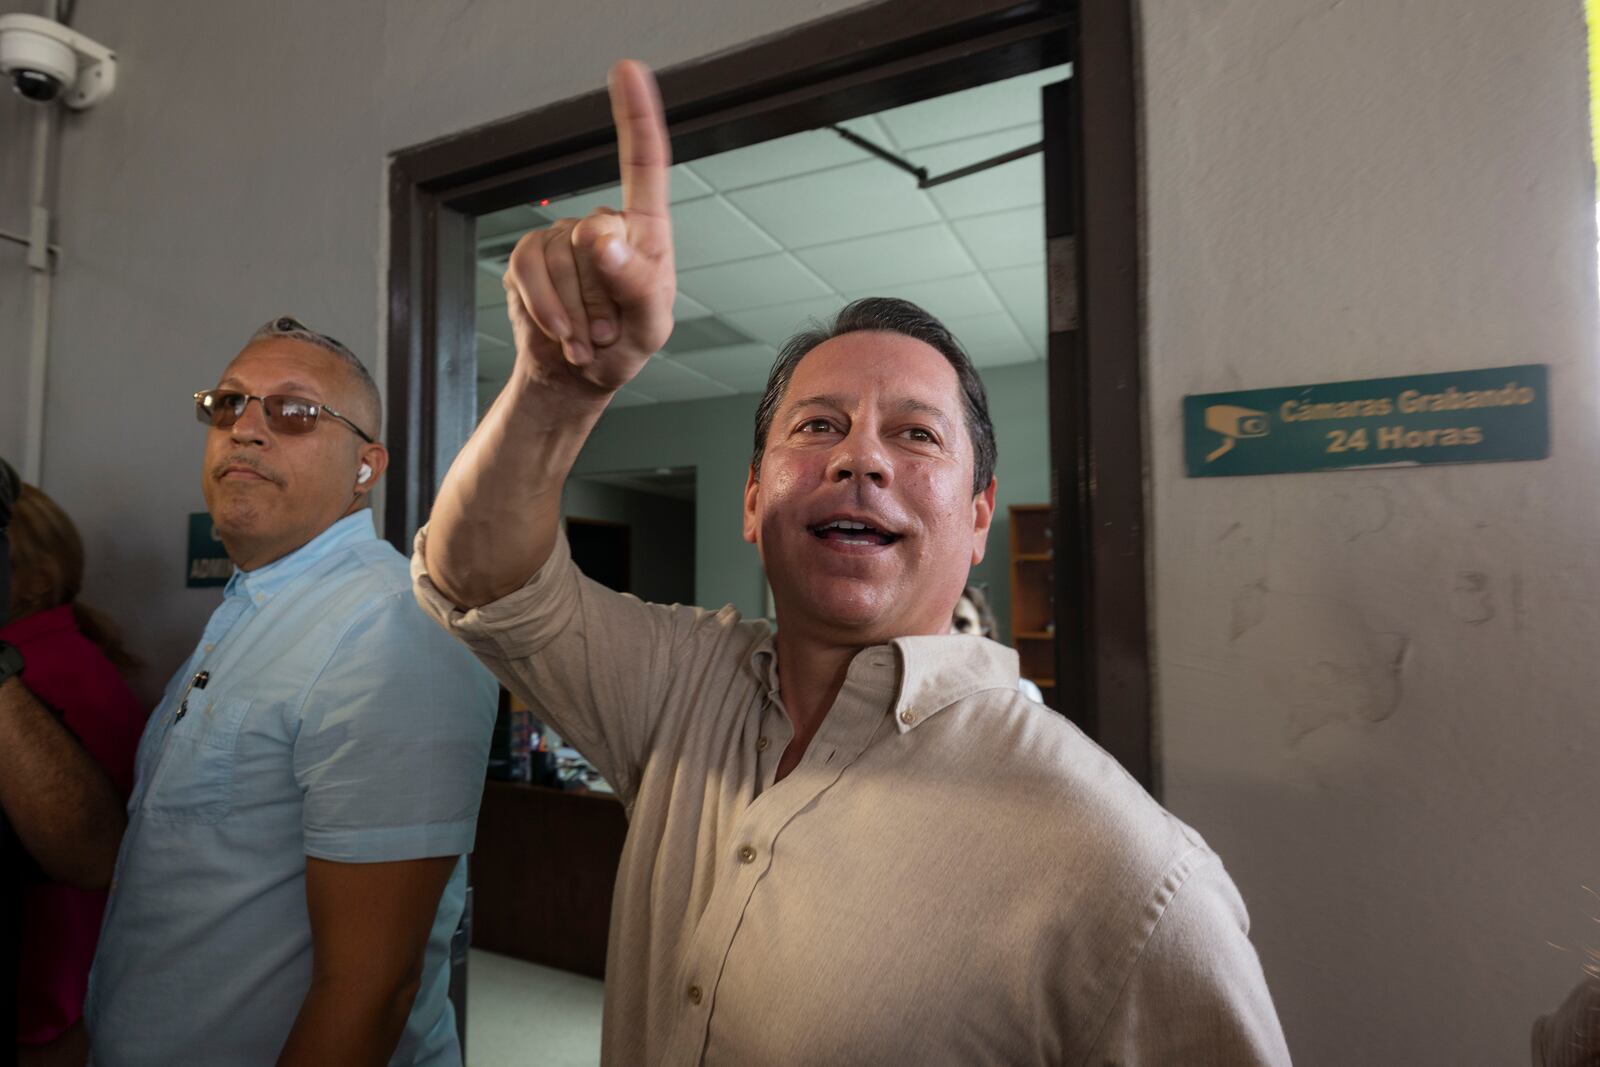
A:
(590, 299)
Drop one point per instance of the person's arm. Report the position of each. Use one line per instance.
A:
(1196, 994)
(369, 929)
(590, 302)
(389, 755)
(61, 806)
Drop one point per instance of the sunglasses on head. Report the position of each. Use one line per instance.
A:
(221, 408)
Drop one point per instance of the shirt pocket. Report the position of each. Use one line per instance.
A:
(194, 780)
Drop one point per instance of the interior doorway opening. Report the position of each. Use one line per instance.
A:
(830, 73)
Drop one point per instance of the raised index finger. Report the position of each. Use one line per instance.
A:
(643, 149)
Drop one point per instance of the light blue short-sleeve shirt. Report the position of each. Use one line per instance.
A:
(321, 715)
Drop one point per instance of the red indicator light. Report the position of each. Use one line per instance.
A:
(544, 203)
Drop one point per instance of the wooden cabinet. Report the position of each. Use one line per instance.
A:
(543, 873)
(1033, 616)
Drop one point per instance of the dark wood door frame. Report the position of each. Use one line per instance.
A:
(851, 64)
(1097, 410)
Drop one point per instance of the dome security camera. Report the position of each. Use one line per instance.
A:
(46, 60)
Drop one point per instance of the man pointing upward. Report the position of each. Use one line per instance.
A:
(852, 841)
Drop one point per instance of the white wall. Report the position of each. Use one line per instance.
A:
(1377, 690)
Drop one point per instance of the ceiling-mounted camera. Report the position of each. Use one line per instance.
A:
(46, 60)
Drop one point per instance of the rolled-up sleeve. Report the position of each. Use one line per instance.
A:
(598, 665)
(393, 741)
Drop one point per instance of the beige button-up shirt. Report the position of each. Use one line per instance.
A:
(952, 875)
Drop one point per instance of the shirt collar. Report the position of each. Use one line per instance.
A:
(932, 672)
(263, 583)
(938, 671)
(764, 661)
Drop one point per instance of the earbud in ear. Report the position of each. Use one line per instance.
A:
(363, 475)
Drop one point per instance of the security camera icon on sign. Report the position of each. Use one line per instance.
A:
(1234, 423)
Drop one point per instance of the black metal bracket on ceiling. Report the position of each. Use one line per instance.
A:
(924, 180)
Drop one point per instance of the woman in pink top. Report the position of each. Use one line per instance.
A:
(74, 663)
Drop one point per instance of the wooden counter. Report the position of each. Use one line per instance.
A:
(543, 873)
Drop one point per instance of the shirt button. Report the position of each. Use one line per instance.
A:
(747, 855)
(908, 717)
(761, 744)
(209, 646)
(695, 995)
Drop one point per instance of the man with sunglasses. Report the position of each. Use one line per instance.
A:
(293, 867)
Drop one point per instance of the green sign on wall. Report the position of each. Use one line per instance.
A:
(1479, 416)
(208, 560)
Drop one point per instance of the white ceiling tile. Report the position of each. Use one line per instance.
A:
(992, 340)
(629, 397)
(1018, 183)
(1022, 290)
(663, 379)
(685, 307)
(743, 368)
(945, 298)
(1012, 102)
(833, 205)
(683, 184)
(912, 255)
(708, 231)
(1006, 239)
(750, 283)
(782, 157)
(517, 218)
(778, 323)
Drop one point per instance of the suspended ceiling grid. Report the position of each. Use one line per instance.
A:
(780, 232)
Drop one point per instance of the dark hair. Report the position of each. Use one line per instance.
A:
(980, 604)
(47, 557)
(888, 315)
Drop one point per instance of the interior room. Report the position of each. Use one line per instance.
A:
(1365, 682)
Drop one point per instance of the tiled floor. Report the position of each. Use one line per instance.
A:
(523, 1015)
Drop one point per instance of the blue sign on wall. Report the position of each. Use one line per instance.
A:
(208, 560)
(1480, 416)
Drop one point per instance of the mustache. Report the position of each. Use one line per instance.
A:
(246, 461)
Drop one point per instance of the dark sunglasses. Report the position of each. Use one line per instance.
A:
(221, 408)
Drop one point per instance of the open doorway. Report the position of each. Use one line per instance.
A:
(769, 237)
(826, 74)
